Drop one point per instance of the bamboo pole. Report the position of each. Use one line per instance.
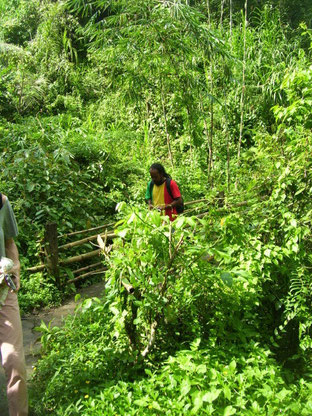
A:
(81, 257)
(91, 254)
(36, 269)
(231, 17)
(129, 288)
(70, 260)
(221, 12)
(242, 98)
(83, 269)
(94, 272)
(166, 126)
(85, 240)
(195, 202)
(87, 230)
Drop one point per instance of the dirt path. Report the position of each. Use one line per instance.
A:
(31, 338)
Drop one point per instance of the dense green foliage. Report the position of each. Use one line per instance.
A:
(91, 93)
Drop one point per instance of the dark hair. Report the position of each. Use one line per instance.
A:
(160, 169)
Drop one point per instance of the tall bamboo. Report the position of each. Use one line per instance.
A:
(209, 131)
(166, 126)
(208, 11)
(227, 144)
(221, 12)
(242, 99)
(231, 17)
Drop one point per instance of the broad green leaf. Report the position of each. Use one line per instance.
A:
(227, 279)
(293, 223)
(141, 402)
(232, 365)
(281, 395)
(156, 406)
(202, 369)
(122, 233)
(77, 297)
(185, 387)
(229, 410)
(30, 187)
(211, 396)
(227, 392)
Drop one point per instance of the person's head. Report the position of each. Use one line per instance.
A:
(158, 173)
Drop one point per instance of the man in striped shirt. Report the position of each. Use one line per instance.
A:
(162, 192)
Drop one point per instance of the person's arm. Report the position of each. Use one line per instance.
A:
(148, 197)
(174, 203)
(11, 252)
(177, 198)
(149, 203)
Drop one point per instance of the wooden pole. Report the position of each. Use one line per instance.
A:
(82, 276)
(85, 240)
(51, 251)
(81, 257)
(88, 230)
(91, 266)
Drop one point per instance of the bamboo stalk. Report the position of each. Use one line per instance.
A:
(129, 288)
(70, 260)
(94, 272)
(36, 269)
(221, 12)
(231, 17)
(242, 99)
(85, 240)
(87, 230)
(82, 269)
(195, 202)
(202, 215)
(197, 209)
(81, 257)
(166, 126)
(91, 254)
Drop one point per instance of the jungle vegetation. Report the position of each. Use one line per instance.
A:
(220, 91)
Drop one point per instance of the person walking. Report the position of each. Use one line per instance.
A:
(163, 193)
(11, 335)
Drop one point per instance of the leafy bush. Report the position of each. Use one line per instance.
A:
(36, 292)
(178, 294)
(206, 380)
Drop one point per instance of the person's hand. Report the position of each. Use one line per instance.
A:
(150, 206)
(15, 271)
(16, 279)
